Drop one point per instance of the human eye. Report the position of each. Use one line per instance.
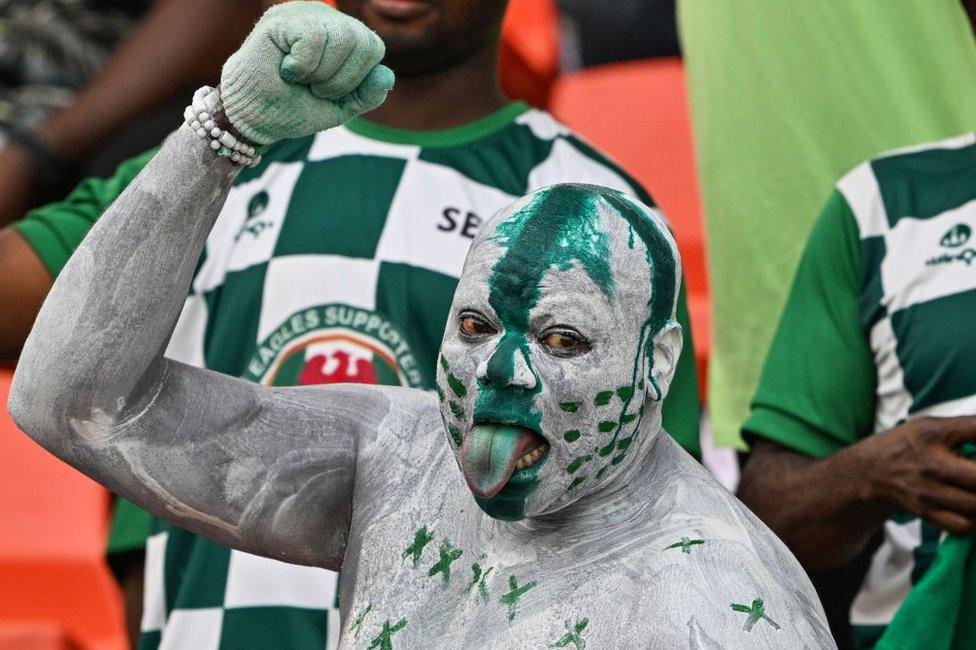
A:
(564, 342)
(474, 326)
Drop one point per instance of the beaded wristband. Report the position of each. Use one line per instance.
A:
(199, 116)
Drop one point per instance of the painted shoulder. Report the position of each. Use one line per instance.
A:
(711, 553)
(411, 430)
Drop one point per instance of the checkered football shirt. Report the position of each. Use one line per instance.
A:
(878, 329)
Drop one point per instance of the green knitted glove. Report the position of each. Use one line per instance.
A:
(305, 67)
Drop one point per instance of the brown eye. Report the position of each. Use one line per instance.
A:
(565, 343)
(474, 325)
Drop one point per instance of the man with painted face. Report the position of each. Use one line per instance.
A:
(335, 259)
(583, 522)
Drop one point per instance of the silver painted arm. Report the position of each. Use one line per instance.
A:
(265, 470)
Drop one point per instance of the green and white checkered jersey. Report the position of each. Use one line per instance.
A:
(336, 260)
(878, 329)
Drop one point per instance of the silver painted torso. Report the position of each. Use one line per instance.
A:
(616, 585)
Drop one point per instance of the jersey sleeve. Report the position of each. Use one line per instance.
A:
(816, 393)
(129, 529)
(56, 229)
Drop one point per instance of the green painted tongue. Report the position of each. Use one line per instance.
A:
(488, 457)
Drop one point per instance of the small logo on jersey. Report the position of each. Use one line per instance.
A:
(252, 224)
(336, 343)
(955, 237)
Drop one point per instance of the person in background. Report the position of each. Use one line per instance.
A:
(867, 403)
(785, 97)
(334, 261)
(74, 74)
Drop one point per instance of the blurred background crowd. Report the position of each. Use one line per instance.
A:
(737, 117)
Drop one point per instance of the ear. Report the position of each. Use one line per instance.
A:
(664, 359)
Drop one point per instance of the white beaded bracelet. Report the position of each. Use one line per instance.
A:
(199, 117)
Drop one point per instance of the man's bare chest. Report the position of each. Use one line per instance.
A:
(451, 582)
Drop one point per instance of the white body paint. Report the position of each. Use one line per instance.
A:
(344, 476)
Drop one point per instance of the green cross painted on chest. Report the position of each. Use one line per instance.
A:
(357, 625)
(478, 577)
(756, 612)
(515, 592)
(443, 566)
(574, 635)
(384, 640)
(685, 544)
(421, 538)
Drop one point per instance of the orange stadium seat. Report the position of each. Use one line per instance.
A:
(638, 113)
(529, 57)
(56, 593)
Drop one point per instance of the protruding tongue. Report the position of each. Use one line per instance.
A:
(489, 454)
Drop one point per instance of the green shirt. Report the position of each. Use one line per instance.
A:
(877, 329)
(334, 260)
(785, 97)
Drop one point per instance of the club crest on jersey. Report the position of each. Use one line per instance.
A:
(333, 344)
(253, 225)
(954, 238)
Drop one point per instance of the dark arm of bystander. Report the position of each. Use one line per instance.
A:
(826, 510)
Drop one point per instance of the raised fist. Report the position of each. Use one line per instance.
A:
(305, 67)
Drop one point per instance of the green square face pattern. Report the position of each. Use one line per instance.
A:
(281, 628)
(202, 580)
(933, 337)
(418, 300)
(232, 324)
(328, 215)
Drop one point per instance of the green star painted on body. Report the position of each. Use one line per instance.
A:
(478, 577)
(685, 544)
(384, 640)
(421, 538)
(757, 612)
(357, 625)
(574, 635)
(443, 566)
(515, 592)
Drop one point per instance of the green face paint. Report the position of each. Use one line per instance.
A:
(557, 229)
(567, 257)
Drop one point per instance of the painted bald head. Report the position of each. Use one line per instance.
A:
(560, 345)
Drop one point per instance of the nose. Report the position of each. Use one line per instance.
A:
(508, 365)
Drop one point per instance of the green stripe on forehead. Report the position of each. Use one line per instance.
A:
(660, 256)
(559, 226)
